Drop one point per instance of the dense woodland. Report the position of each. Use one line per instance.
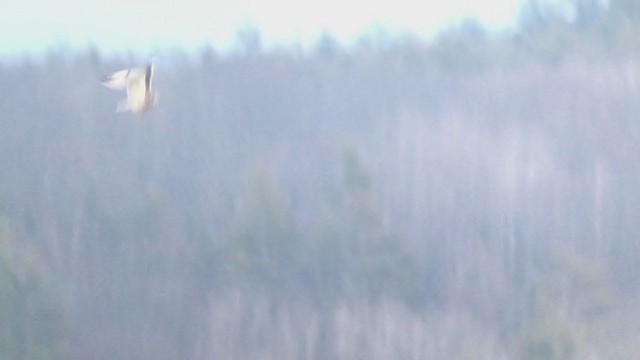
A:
(472, 197)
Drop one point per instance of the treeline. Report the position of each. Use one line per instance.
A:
(474, 198)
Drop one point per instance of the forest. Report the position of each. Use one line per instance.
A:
(474, 196)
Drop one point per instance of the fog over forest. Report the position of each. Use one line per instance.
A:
(476, 197)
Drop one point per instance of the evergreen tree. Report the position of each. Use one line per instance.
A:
(32, 316)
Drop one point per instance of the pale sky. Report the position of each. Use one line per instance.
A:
(145, 25)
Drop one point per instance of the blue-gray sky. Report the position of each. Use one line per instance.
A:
(145, 25)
